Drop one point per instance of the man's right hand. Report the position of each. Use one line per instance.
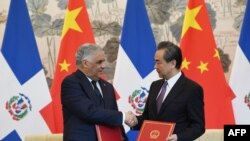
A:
(130, 119)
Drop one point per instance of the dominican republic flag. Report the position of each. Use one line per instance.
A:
(135, 62)
(240, 75)
(23, 87)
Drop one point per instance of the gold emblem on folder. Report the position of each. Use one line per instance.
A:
(154, 134)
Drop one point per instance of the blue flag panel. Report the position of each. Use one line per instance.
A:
(19, 46)
(137, 37)
(12, 136)
(244, 41)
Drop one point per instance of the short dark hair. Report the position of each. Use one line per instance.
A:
(172, 52)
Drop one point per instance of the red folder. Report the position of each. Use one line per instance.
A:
(108, 133)
(155, 130)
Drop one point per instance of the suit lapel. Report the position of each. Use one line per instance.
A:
(175, 91)
(86, 85)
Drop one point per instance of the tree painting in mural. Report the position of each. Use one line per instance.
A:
(3, 17)
(170, 16)
(241, 4)
(166, 18)
(46, 26)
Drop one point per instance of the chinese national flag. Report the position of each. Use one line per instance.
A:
(76, 31)
(201, 62)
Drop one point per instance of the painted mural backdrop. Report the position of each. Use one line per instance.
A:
(107, 16)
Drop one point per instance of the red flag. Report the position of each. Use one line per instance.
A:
(76, 31)
(201, 62)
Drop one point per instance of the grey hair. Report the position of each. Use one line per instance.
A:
(85, 52)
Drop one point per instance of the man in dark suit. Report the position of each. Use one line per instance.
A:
(174, 98)
(87, 99)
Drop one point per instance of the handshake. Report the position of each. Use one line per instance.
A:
(130, 119)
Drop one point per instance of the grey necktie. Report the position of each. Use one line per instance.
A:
(161, 96)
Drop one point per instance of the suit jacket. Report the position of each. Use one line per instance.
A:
(81, 110)
(183, 105)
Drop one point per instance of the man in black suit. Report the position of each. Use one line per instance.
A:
(182, 99)
(87, 99)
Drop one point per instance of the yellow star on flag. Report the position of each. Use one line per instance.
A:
(190, 21)
(70, 20)
(203, 67)
(216, 54)
(64, 66)
(185, 64)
